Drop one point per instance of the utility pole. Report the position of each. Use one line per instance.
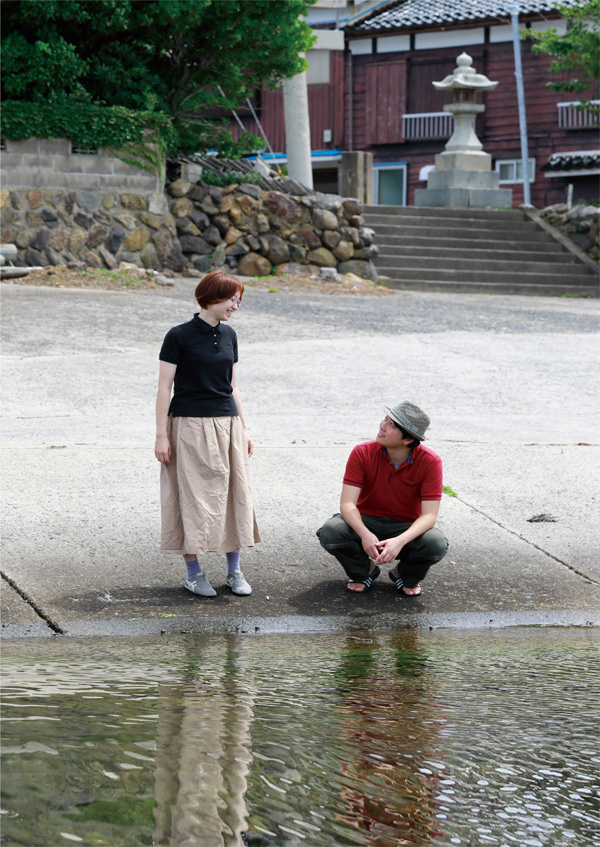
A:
(297, 129)
(514, 14)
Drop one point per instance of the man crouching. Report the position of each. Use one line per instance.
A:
(389, 505)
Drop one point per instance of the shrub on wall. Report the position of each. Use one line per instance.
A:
(138, 138)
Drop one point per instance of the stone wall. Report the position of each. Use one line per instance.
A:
(55, 227)
(47, 163)
(252, 231)
(240, 227)
(581, 224)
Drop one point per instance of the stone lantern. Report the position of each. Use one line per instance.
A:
(463, 173)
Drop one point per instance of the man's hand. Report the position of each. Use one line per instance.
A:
(388, 550)
(370, 544)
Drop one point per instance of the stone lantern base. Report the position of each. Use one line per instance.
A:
(463, 179)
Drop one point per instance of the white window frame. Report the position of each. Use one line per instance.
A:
(388, 166)
(515, 163)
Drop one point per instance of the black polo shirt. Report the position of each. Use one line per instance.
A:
(204, 356)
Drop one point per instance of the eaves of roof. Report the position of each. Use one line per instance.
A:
(411, 15)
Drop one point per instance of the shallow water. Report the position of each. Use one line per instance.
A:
(411, 738)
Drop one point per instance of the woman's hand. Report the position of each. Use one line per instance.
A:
(249, 442)
(162, 449)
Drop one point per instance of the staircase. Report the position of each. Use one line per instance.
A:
(476, 250)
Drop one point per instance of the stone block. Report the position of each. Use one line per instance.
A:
(115, 239)
(282, 206)
(153, 221)
(186, 227)
(442, 197)
(191, 172)
(194, 244)
(476, 161)
(462, 179)
(77, 240)
(88, 200)
(55, 146)
(179, 188)
(35, 198)
(33, 258)
(96, 235)
(324, 219)
(107, 257)
(253, 265)
(249, 189)
(365, 270)
(11, 162)
(54, 257)
(278, 250)
(500, 198)
(322, 257)
(29, 146)
(344, 251)
(136, 240)
(149, 256)
(133, 202)
(181, 207)
(157, 204)
(202, 263)
(95, 165)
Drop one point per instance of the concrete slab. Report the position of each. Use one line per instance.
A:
(511, 385)
(18, 618)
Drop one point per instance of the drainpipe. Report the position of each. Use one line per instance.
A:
(514, 15)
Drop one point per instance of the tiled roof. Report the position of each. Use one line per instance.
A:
(582, 160)
(411, 14)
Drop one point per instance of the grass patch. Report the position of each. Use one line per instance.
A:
(449, 491)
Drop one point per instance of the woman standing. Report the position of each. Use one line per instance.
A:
(202, 439)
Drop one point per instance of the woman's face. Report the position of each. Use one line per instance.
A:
(224, 309)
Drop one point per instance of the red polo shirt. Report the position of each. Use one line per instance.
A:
(389, 492)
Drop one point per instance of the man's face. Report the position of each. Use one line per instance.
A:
(390, 435)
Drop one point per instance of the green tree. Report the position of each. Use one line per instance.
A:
(192, 60)
(577, 52)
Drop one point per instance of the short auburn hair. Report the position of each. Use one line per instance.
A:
(216, 287)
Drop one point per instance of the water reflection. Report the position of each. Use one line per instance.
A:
(375, 740)
(203, 755)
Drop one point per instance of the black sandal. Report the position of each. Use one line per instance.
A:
(367, 582)
(399, 583)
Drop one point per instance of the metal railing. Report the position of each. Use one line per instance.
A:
(424, 125)
(569, 117)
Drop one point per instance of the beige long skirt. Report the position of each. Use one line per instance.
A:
(206, 501)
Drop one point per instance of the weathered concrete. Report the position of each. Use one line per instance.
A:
(511, 385)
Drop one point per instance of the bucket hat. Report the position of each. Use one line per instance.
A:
(410, 417)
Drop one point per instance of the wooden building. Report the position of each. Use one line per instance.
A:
(377, 95)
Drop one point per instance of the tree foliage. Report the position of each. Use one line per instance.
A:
(192, 60)
(577, 52)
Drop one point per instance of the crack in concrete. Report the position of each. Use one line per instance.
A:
(531, 543)
(47, 620)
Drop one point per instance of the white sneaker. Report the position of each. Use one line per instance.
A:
(235, 580)
(198, 584)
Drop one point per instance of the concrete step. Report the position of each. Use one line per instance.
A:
(460, 235)
(451, 224)
(524, 285)
(449, 212)
(431, 263)
(485, 276)
(418, 245)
